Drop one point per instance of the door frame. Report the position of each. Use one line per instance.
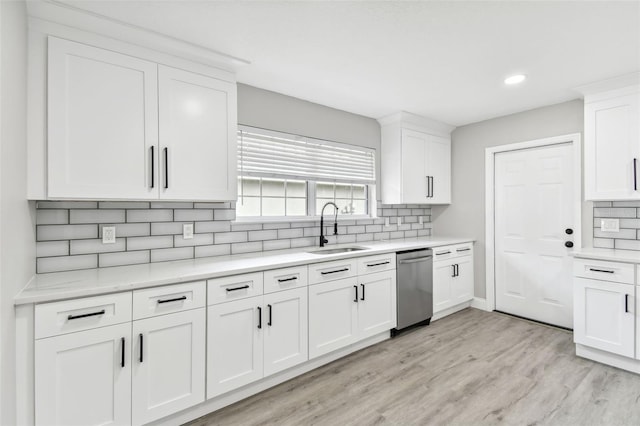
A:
(575, 139)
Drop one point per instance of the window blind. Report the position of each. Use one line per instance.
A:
(274, 154)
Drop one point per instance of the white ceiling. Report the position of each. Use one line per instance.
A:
(443, 60)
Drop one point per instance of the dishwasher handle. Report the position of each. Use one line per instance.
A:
(417, 259)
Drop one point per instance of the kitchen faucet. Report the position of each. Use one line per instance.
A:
(323, 240)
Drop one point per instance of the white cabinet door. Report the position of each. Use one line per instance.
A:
(462, 283)
(377, 303)
(168, 364)
(102, 123)
(442, 285)
(604, 316)
(438, 160)
(612, 148)
(84, 378)
(234, 345)
(333, 316)
(286, 330)
(197, 136)
(414, 177)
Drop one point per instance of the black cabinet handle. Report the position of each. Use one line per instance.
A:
(427, 177)
(362, 298)
(92, 314)
(166, 168)
(635, 174)
(443, 252)
(463, 249)
(122, 352)
(356, 288)
(601, 270)
(433, 186)
(153, 172)
(457, 270)
(453, 269)
(626, 303)
(141, 339)
(177, 299)
(238, 288)
(284, 280)
(333, 272)
(259, 317)
(370, 265)
(270, 315)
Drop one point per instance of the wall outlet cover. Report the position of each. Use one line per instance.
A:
(610, 225)
(187, 231)
(108, 235)
(399, 221)
(421, 220)
(386, 221)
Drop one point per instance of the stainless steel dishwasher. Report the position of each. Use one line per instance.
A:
(414, 288)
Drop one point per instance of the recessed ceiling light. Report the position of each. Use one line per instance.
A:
(515, 79)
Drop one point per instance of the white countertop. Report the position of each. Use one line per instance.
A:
(91, 282)
(625, 256)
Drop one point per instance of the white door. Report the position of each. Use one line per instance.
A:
(197, 136)
(377, 303)
(234, 345)
(612, 150)
(438, 153)
(604, 316)
(84, 378)
(462, 283)
(168, 364)
(333, 316)
(286, 331)
(534, 205)
(442, 290)
(102, 123)
(414, 179)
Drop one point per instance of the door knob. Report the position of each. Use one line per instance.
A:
(568, 231)
(568, 244)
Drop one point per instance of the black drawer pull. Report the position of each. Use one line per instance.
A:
(463, 249)
(601, 270)
(166, 168)
(284, 280)
(362, 298)
(259, 317)
(122, 352)
(141, 358)
(444, 252)
(153, 172)
(333, 272)
(177, 299)
(92, 314)
(356, 299)
(238, 288)
(626, 303)
(369, 265)
(270, 315)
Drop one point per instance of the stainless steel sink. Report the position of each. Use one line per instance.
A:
(337, 250)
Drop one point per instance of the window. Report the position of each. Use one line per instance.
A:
(282, 175)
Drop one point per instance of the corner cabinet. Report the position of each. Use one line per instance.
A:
(415, 160)
(122, 127)
(612, 144)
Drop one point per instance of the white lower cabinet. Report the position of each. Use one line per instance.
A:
(452, 276)
(377, 303)
(604, 316)
(168, 364)
(84, 378)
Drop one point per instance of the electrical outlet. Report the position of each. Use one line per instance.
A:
(420, 220)
(399, 221)
(386, 221)
(108, 235)
(610, 225)
(187, 231)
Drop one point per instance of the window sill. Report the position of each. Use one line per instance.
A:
(285, 219)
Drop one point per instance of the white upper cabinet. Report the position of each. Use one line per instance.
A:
(416, 160)
(121, 127)
(102, 114)
(612, 144)
(197, 136)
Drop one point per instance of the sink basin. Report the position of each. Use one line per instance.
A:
(337, 250)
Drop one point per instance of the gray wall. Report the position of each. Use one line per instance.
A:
(466, 214)
(274, 111)
(17, 240)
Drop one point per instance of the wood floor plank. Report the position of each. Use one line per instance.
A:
(471, 368)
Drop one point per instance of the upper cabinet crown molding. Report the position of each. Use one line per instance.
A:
(57, 11)
(623, 83)
(410, 121)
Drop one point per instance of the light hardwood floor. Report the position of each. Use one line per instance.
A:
(471, 368)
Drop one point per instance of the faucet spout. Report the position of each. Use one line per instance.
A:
(323, 240)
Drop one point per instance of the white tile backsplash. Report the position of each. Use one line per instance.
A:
(628, 213)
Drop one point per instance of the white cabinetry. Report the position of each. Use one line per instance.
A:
(415, 160)
(377, 303)
(452, 276)
(612, 143)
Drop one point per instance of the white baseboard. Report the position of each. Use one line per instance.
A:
(446, 312)
(479, 303)
(608, 358)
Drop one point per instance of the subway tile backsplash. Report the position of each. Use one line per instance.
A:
(628, 213)
(69, 233)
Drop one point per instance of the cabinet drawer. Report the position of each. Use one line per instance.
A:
(285, 278)
(605, 271)
(172, 298)
(448, 252)
(378, 263)
(52, 319)
(226, 289)
(330, 271)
